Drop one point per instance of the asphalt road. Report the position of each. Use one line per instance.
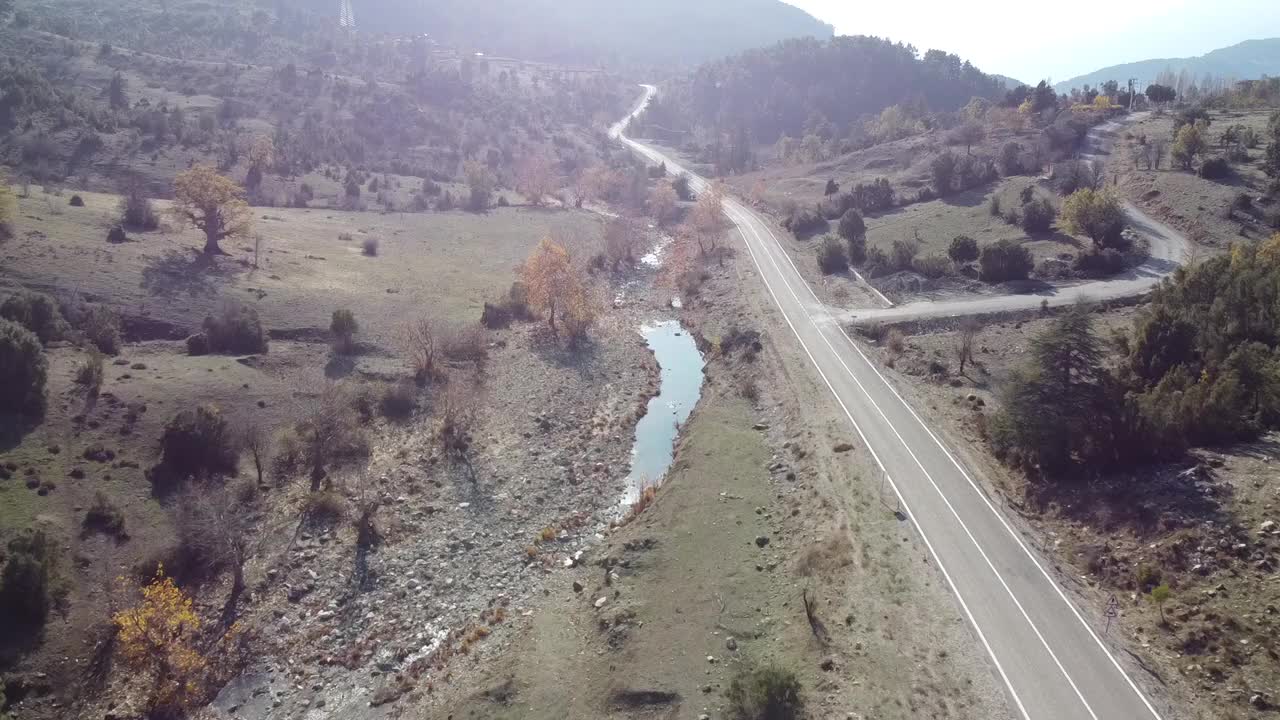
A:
(1049, 653)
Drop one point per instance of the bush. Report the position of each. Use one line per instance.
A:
(852, 227)
(877, 263)
(100, 326)
(369, 246)
(196, 443)
(235, 329)
(1010, 161)
(903, 254)
(136, 211)
(1215, 168)
(1004, 260)
(768, 693)
(198, 344)
(943, 172)
(116, 235)
(29, 586)
(23, 370)
(878, 195)
(76, 201)
(344, 327)
(399, 400)
(993, 206)
(835, 206)
(464, 344)
(681, 185)
(805, 222)
(932, 266)
(963, 249)
(36, 312)
(1099, 263)
(832, 257)
(89, 374)
(1038, 216)
(103, 516)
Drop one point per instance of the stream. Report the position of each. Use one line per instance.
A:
(681, 385)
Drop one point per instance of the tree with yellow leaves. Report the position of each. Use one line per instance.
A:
(262, 155)
(579, 313)
(550, 277)
(213, 203)
(159, 636)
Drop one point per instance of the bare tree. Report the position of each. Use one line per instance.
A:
(217, 527)
(620, 241)
(328, 429)
(1156, 148)
(424, 343)
(457, 421)
(964, 342)
(818, 627)
(257, 441)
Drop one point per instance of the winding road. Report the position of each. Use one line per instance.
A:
(1049, 652)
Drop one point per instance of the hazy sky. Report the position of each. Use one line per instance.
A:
(1058, 40)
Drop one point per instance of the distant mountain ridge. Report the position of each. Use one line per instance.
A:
(1247, 60)
(608, 32)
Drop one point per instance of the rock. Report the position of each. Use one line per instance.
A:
(1258, 701)
(828, 664)
(843, 447)
(731, 644)
(601, 601)
(760, 426)
(577, 586)
(386, 694)
(762, 540)
(1268, 526)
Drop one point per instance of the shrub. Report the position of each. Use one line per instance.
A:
(877, 262)
(857, 251)
(1215, 168)
(805, 222)
(196, 443)
(76, 201)
(943, 172)
(896, 341)
(832, 257)
(1099, 263)
(235, 329)
(369, 246)
(932, 266)
(136, 211)
(903, 254)
(1004, 260)
(344, 328)
(963, 249)
(852, 227)
(103, 516)
(877, 195)
(1010, 161)
(89, 374)
(993, 206)
(1097, 214)
(835, 206)
(29, 586)
(681, 185)
(100, 326)
(23, 370)
(1038, 216)
(464, 344)
(399, 400)
(36, 312)
(768, 693)
(116, 235)
(198, 344)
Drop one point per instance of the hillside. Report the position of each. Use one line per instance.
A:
(1248, 60)
(611, 32)
(801, 88)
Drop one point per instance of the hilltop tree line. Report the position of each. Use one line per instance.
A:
(807, 86)
(1200, 366)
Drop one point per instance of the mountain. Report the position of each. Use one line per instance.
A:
(609, 32)
(1248, 60)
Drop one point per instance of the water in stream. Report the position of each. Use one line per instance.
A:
(680, 388)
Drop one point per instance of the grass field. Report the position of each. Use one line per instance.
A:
(312, 262)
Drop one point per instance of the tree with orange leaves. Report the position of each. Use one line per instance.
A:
(549, 276)
(579, 313)
(213, 203)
